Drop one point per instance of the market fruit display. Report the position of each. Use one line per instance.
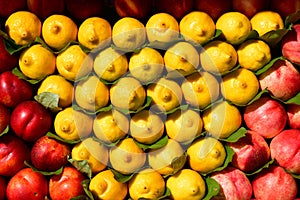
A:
(161, 99)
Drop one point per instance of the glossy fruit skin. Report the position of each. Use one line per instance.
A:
(7, 7)
(177, 8)
(7, 61)
(30, 120)
(133, 8)
(27, 184)
(4, 117)
(49, 154)
(13, 153)
(290, 45)
(44, 8)
(285, 7)
(250, 7)
(66, 185)
(210, 7)
(14, 90)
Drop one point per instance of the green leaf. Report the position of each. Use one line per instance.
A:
(291, 19)
(260, 169)
(253, 34)
(158, 144)
(273, 37)
(88, 194)
(66, 47)
(234, 137)
(296, 176)
(267, 66)
(111, 144)
(212, 188)
(122, 178)
(49, 100)
(52, 135)
(294, 100)
(45, 173)
(228, 159)
(5, 131)
(20, 75)
(82, 166)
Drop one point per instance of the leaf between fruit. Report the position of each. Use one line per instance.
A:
(212, 188)
(82, 166)
(5, 131)
(52, 135)
(158, 144)
(234, 137)
(260, 169)
(45, 173)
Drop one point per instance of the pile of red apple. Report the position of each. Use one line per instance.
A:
(266, 163)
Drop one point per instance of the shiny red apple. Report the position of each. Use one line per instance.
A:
(14, 90)
(82, 9)
(293, 112)
(177, 8)
(13, 153)
(67, 184)
(7, 61)
(30, 120)
(290, 45)
(274, 183)
(27, 184)
(134, 8)
(7, 7)
(285, 7)
(250, 7)
(49, 154)
(45, 8)
(214, 8)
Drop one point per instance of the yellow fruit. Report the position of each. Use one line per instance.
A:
(126, 157)
(146, 127)
(218, 57)
(184, 126)
(162, 159)
(71, 124)
(235, 27)
(206, 154)
(23, 27)
(110, 126)
(37, 62)
(146, 65)
(91, 94)
(182, 57)
(200, 89)
(147, 184)
(57, 84)
(166, 94)
(193, 28)
(127, 93)
(265, 21)
(222, 119)
(162, 27)
(58, 31)
(94, 152)
(186, 184)
(104, 186)
(128, 34)
(110, 64)
(73, 63)
(254, 54)
(94, 32)
(240, 86)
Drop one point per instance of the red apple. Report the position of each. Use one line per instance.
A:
(274, 183)
(250, 7)
(251, 152)
(30, 120)
(177, 8)
(282, 80)
(82, 9)
(133, 8)
(27, 184)
(49, 154)
(293, 112)
(285, 149)
(13, 153)
(290, 45)
(14, 90)
(66, 185)
(7, 61)
(7, 7)
(234, 184)
(4, 118)
(285, 7)
(44, 8)
(3, 186)
(214, 8)
(266, 116)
